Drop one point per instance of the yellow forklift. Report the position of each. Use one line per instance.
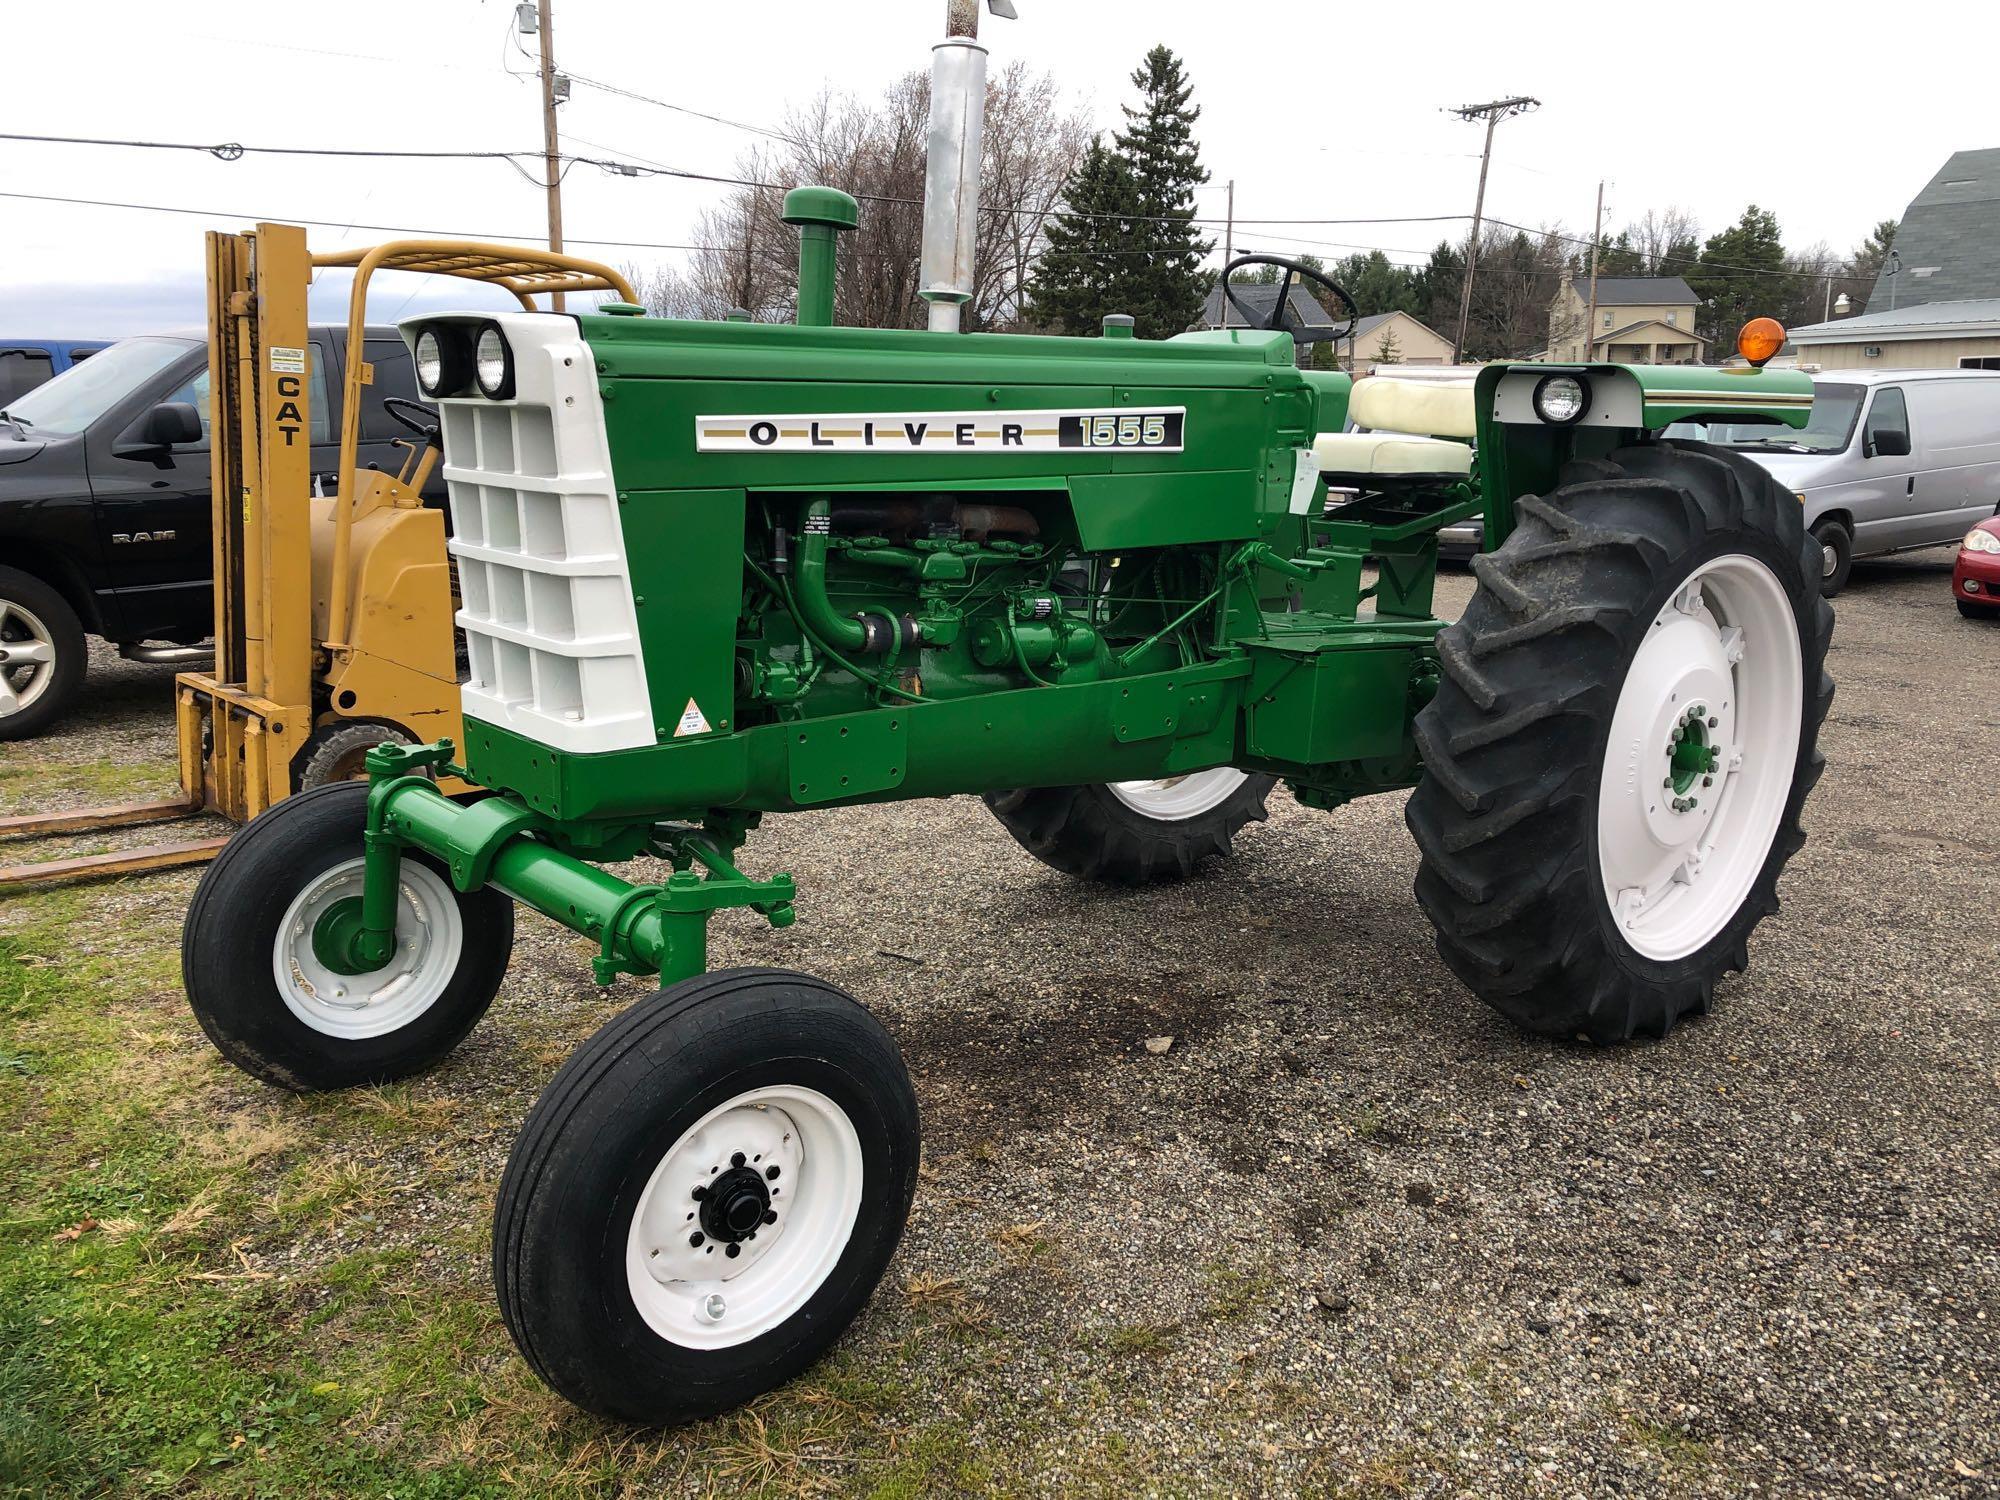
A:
(333, 613)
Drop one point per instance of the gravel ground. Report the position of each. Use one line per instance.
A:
(1351, 1228)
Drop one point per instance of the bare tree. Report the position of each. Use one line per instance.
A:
(749, 256)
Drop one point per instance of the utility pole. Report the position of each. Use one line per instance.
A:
(551, 155)
(1596, 238)
(1229, 226)
(1492, 113)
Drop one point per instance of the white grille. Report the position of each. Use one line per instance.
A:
(547, 596)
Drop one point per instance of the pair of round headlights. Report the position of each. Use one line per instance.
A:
(447, 361)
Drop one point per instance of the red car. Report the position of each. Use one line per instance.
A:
(1975, 582)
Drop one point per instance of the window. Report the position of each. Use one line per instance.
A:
(196, 393)
(21, 370)
(1890, 415)
(1673, 320)
(86, 392)
(1607, 320)
(394, 376)
(1980, 362)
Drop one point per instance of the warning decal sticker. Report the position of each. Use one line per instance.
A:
(693, 721)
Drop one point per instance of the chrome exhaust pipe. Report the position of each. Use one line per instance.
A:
(165, 656)
(951, 163)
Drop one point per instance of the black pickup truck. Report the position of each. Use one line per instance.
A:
(104, 505)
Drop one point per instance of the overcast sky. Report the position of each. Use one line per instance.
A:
(1317, 111)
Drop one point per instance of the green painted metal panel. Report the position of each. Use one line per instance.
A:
(685, 550)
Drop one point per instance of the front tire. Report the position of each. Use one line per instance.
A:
(42, 655)
(705, 1195)
(272, 1007)
(1135, 832)
(1625, 732)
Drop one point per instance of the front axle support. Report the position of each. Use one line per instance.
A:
(641, 929)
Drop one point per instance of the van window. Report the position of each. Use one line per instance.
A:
(1889, 413)
(21, 370)
(394, 376)
(1834, 408)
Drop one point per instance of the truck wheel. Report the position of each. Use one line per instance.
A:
(705, 1195)
(1836, 556)
(1625, 732)
(42, 655)
(274, 1008)
(1134, 832)
(336, 752)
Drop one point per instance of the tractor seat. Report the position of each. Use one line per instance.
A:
(1396, 410)
(1375, 456)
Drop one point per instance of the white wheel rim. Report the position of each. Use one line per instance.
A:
(429, 937)
(27, 657)
(1180, 797)
(1829, 560)
(685, 1283)
(1721, 665)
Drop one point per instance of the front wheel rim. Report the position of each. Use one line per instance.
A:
(1177, 798)
(745, 1217)
(430, 935)
(27, 658)
(1700, 758)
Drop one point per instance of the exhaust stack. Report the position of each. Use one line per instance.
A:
(951, 165)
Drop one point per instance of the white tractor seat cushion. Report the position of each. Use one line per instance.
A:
(1375, 455)
(1441, 408)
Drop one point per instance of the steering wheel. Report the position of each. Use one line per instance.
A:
(1281, 309)
(415, 416)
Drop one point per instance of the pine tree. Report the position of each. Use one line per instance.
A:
(1125, 241)
(1741, 274)
(1164, 287)
(1074, 284)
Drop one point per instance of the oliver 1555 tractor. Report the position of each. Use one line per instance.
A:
(1119, 587)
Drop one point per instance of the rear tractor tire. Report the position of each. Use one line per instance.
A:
(705, 1196)
(1623, 738)
(1135, 832)
(266, 997)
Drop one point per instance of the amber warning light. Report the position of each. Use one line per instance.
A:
(1760, 339)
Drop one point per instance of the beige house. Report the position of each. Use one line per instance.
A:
(1641, 320)
(1392, 338)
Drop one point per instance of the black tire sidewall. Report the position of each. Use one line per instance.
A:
(232, 927)
(565, 1211)
(1801, 593)
(71, 654)
(1834, 534)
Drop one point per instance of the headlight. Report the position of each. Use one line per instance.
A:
(1979, 540)
(492, 367)
(1561, 399)
(439, 355)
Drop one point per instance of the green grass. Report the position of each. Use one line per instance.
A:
(208, 1287)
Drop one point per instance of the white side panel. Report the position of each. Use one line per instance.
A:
(546, 593)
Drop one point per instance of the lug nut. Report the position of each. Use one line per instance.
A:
(736, 1160)
(700, 1193)
(714, 1308)
(695, 1239)
(1713, 721)
(733, 1251)
(1708, 781)
(770, 1216)
(771, 1173)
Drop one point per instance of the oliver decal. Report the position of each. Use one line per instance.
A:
(1157, 429)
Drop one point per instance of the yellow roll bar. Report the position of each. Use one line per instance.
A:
(526, 273)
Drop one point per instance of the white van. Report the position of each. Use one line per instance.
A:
(1892, 459)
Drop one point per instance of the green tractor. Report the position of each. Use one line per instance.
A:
(1118, 587)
